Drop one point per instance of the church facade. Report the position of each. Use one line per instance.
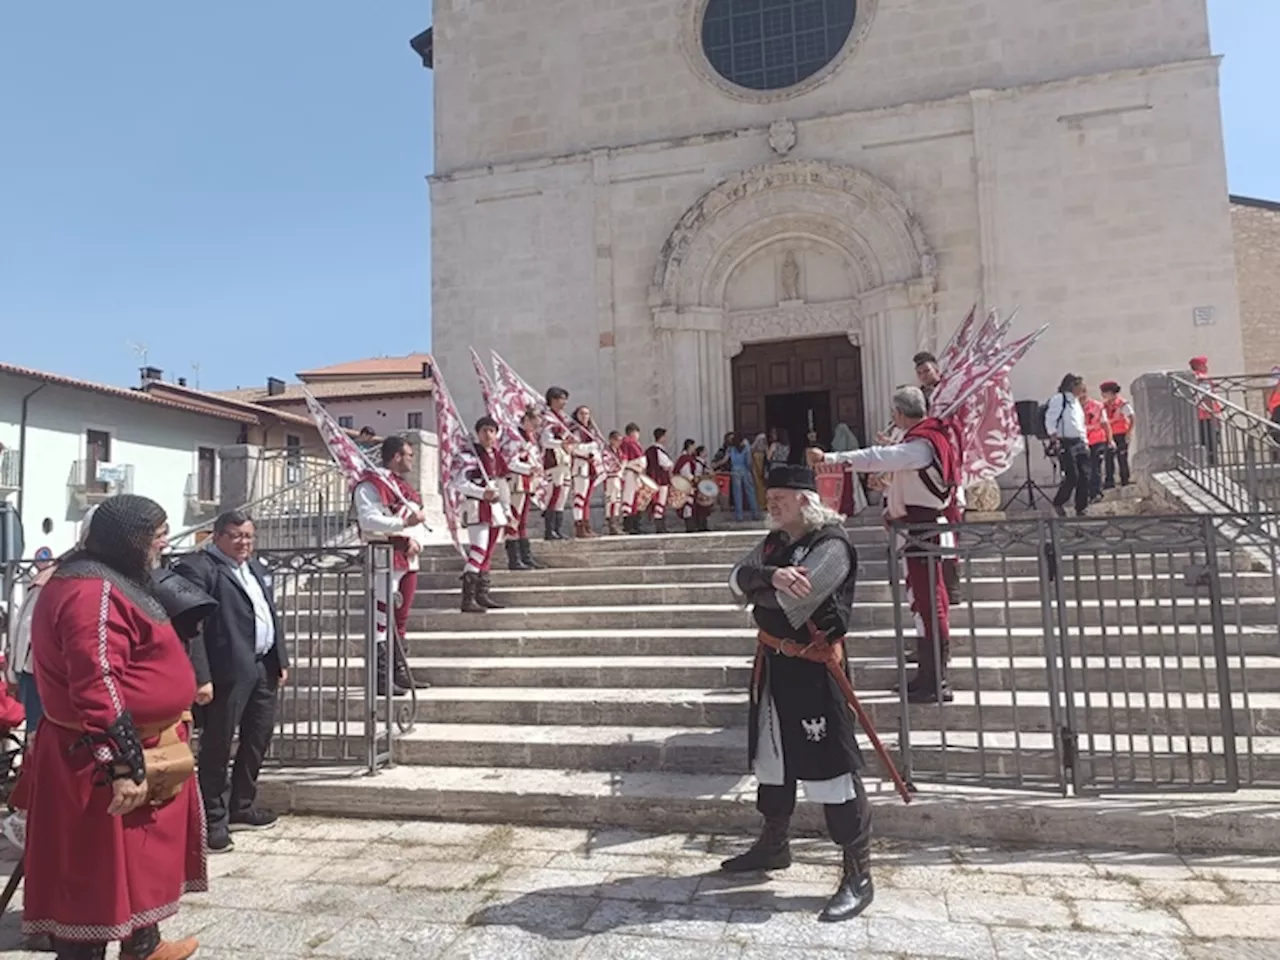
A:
(737, 214)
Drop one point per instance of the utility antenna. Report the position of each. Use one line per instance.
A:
(195, 370)
(141, 350)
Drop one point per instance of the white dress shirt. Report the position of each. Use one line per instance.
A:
(264, 625)
(1067, 424)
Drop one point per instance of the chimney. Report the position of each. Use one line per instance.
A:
(182, 381)
(150, 374)
(275, 387)
(426, 370)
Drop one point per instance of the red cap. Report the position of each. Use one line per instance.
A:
(1110, 386)
(1199, 363)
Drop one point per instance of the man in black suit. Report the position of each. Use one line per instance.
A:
(242, 643)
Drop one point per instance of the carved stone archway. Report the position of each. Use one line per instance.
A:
(841, 208)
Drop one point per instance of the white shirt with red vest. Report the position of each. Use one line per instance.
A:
(382, 518)
(915, 475)
(476, 482)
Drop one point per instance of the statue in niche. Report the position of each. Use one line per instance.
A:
(790, 277)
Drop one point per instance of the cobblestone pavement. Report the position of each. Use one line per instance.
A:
(381, 889)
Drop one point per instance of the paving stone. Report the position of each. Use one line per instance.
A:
(638, 864)
(636, 842)
(1233, 950)
(1255, 921)
(314, 828)
(534, 912)
(301, 847)
(760, 892)
(549, 838)
(961, 941)
(378, 939)
(797, 929)
(1081, 888)
(1002, 910)
(656, 889)
(280, 934)
(1054, 863)
(1238, 892)
(491, 943)
(363, 872)
(1036, 945)
(677, 921)
(950, 879)
(610, 946)
(278, 869)
(1244, 869)
(1112, 916)
(443, 875)
(1140, 866)
(1174, 892)
(424, 833)
(770, 953)
(573, 883)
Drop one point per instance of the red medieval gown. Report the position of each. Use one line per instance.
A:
(91, 876)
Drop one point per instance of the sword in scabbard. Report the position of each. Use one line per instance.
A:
(836, 669)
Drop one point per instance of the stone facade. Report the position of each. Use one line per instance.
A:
(1256, 225)
(615, 218)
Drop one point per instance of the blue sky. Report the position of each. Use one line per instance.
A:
(242, 185)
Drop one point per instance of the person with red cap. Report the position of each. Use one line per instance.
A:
(1120, 416)
(1207, 410)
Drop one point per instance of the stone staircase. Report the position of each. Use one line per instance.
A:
(612, 690)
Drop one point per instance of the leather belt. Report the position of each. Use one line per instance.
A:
(147, 732)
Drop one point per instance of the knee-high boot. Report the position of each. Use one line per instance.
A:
(482, 594)
(470, 586)
(549, 526)
(771, 851)
(514, 560)
(526, 555)
(856, 890)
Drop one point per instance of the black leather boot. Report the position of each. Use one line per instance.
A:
(526, 556)
(402, 677)
(380, 665)
(689, 525)
(560, 525)
(549, 526)
(470, 585)
(482, 594)
(772, 851)
(514, 560)
(660, 525)
(856, 890)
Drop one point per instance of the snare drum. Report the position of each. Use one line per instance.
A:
(708, 491)
(646, 490)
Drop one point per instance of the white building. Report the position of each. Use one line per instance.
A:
(715, 214)
(70, 443)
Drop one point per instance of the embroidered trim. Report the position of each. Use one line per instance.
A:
(104, 609)
(92, 933)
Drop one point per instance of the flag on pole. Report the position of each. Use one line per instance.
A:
(354, 463)
(457, 457)
(504, 406)
(508, 421)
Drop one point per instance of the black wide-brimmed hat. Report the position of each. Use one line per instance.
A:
(791, 477)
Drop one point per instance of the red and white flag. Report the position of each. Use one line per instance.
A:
(457, 458)
(351, 460)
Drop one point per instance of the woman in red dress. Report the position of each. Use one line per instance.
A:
(103, 861)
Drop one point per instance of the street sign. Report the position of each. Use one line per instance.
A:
(111, 473)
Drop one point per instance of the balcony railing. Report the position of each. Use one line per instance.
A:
(92, 482)
(9, 470)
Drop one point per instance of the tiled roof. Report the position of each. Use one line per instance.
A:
(126, 393)
(408, 366)
(206, 400)
(361, 389)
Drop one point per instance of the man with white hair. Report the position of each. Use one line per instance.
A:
(800, 581)
(924, 473)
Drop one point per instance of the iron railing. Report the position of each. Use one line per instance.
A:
(313, 511)
(1120, 654)
(328, 712)
(1225, 443)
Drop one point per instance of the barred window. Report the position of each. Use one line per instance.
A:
(774, 44)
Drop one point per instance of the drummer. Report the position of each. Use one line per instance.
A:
(635, 485)
(684, 477)
(706, 490)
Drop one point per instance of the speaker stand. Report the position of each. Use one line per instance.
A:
(1033, 489)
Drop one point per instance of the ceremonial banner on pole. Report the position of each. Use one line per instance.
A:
(354, 463)
(457, 456)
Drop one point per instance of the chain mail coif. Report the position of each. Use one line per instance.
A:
(121, 532)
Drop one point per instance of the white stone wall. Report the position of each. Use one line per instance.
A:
(1096, 201)
(532, 78)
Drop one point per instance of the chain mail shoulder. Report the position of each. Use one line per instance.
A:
(829, 565)
(86, 568)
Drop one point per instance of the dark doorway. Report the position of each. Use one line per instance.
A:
(777, 385)
(799, 414)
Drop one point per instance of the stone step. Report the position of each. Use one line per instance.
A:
(869, 674)
(740, 641)
(869, 569)
(866, 615)
(989, 589)
(692, 709)
(703, 803)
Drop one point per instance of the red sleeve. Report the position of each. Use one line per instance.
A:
(96, 642)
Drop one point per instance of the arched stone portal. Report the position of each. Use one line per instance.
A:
(780, 252)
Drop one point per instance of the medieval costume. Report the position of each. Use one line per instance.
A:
(658, 467)
(557, 443)
(485, 517)
(613, 490)
(695, 513)
(586, 468)
(923, 474)
(116, 686)
(522, 469)
(383, 515)
(634, 462)
(801, 728)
